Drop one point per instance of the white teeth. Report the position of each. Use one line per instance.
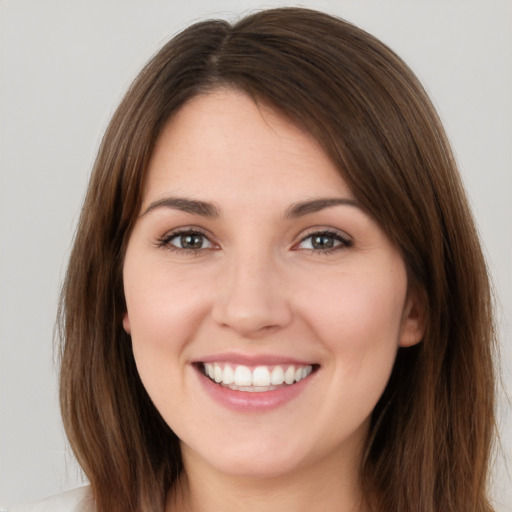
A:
(228, 376)
(261, 377)
(243, 376)
(289, 375)
(217, 373)
(277, 376)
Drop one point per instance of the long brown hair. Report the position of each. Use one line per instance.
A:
(432, 430)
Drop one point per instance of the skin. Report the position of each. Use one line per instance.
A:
(257, 285)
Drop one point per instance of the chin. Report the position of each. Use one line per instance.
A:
(254, 458)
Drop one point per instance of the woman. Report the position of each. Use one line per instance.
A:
(276, 297)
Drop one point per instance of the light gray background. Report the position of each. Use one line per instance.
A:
(65, 65)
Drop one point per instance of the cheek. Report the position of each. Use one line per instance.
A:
(357, 308)
(358, 323)
(357, 317)
(163, 308)
(159, 301)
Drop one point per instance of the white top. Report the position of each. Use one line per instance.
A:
(77, 500)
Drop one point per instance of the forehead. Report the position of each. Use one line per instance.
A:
(224, 143)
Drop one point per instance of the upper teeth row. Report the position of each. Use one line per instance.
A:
(259, 376)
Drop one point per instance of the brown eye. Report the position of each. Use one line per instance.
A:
(324, 241)
(191, 241)
(188, 241)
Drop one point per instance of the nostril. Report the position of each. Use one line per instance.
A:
(252, 319)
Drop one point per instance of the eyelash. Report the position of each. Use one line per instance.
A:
(344, 241)
(165, 241)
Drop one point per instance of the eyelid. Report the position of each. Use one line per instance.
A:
(342, 237)
(164, 240)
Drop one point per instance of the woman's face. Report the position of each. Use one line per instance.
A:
(264, 305)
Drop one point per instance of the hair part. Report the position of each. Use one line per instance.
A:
(432, 430)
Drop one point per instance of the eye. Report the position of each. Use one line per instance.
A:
(186, 241)
(324, 241)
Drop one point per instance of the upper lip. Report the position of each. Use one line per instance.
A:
(251, 359)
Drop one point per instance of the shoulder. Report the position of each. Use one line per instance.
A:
(76, 500)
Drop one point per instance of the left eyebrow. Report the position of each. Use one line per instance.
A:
(316, 205)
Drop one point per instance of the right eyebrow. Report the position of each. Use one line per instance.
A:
(186, 205)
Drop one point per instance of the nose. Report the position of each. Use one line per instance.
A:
(251, 298)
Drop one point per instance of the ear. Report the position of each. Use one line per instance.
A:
(413, 321)
(126, 323)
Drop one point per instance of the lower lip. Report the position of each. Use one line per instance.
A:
(256, 401)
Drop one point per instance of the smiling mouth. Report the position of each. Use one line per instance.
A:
(258, 379)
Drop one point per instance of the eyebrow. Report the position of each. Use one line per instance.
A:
(315, 205)
(205, 209)
(186, 205)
